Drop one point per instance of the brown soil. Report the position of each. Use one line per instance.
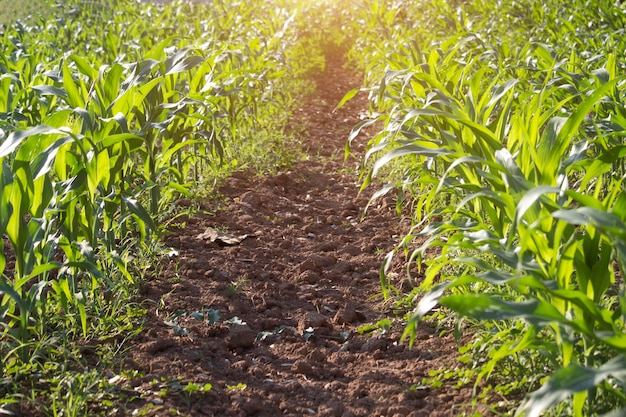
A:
(291, 297)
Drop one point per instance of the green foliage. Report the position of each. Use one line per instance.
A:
(100, 131)
(10, 11)
(381, 326)
(505, 122)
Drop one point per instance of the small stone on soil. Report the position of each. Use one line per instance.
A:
(157, 346)
(373, 344)
(309, 277)
(317, 356)
(312, 319)
(346, 315)
(332, 409)
(317, 263)
(240, 337)
(305, 368)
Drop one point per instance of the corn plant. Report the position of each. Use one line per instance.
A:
(100, 131)
(512, 151)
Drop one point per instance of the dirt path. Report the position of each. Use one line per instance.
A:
(303, 282)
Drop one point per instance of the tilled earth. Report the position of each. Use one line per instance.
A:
(269, 312)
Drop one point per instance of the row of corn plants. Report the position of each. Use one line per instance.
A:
(100, 130)
(502, 123)
(11, 11)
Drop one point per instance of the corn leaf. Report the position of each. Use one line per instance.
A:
(570, 380)
(493, 307)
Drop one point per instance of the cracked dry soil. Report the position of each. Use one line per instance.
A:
(303, 282)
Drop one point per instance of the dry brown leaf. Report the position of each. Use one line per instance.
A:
(213, 235)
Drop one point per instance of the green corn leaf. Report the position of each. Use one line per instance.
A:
(514, 176)
(570, 380)
(123, 103)
(356, 130)
(602, 75)
(611, 338)
(560, 131)
(601, 165)
(44, 89)
(168, 154)
(83, 317)
(546, 54)
(145, 220)
(8, 289)
(384, 269)
(19, 198)
(133, 141)
(430, 300)
(347, 97)
(466, 159)
(578, 153)
(585, 200)
(34, 295)
(43, 161)
(59, 119)
(382, 87)
(104, 168)
(619, 207)
(600, 317)
(121, 121)
(490, 143)
(141, 70)
(548, 153)
(42, 194)
(181, 188)
(184, 64)
(61, 289)
(17, 137)
(145, 90)
(490, 198)
(86, 117)
(92, 175)
(6, 208)
(84, 66)
(496, 277)
(157, 51)
(86, 266)
(531, 197)
(6, 96)
(409, 149)
(112, 82)
(601, 275)
(74, 96)
(501, 90)
(493, 307)
(597, 218)
(37, 271)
